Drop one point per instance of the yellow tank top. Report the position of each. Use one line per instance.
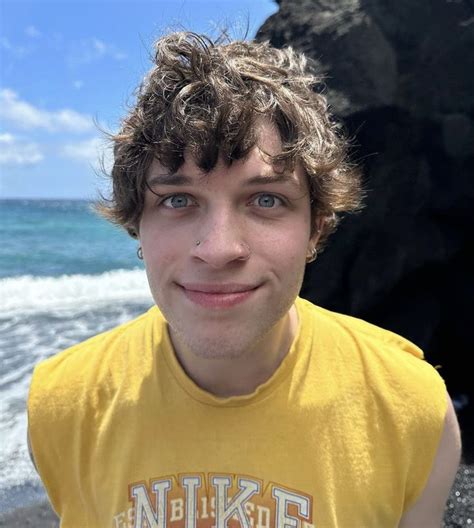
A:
(342, 435)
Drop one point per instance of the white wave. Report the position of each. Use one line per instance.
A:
(30, 294)
(15, 468)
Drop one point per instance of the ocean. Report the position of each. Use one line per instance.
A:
(65, 275)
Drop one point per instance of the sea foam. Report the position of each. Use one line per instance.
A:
(30, 294)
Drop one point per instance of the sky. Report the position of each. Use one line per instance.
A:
(68, 71)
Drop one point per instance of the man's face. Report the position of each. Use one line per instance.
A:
(227, 293)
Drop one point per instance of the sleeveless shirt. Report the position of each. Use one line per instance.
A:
(342, 435)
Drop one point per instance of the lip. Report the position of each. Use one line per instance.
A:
(218, 295)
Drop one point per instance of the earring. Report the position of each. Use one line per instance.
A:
(140, 253)
(313, 256)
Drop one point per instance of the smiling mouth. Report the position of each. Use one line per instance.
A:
(218, 295)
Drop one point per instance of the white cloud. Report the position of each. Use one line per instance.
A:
(86, 151)
(94, 152)
(15, 151)
(33, 32)
(93, 49)
(26, 116)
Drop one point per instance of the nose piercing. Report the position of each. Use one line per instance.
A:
(198, 243)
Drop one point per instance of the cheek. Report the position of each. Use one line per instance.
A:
(159, 247)
(295, 260)
(161, 252)
(288, 242)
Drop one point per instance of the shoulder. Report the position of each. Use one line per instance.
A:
(390, 366)
(388, 361)
(93, 351)
(357, 329)
(370, 346)
(377, 351)
(97, 364)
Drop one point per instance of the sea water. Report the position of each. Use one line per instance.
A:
(65, 275)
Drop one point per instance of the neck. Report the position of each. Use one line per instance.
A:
(237, 376)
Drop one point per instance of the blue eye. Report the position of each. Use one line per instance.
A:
(268, 200)
(176, 201)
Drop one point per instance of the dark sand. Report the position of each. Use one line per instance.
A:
(39, 516)
(459, 510)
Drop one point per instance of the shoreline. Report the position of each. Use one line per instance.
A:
(457, 514)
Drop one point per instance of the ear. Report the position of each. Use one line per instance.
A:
(318, 224)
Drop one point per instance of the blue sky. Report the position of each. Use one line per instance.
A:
(69, 68)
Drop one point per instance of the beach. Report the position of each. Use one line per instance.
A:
(38, 516)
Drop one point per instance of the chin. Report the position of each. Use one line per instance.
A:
(212, 348)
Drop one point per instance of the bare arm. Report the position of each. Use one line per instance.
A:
(428, 511)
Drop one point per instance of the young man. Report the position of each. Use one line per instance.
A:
(233, 402)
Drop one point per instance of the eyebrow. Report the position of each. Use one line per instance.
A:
(169, 179)
(181, 179)
(273, 178)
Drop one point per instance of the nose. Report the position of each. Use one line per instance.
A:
(221, 240)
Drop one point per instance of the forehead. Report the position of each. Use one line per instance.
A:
(256, 166)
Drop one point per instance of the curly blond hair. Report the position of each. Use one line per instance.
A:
(206, 98)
